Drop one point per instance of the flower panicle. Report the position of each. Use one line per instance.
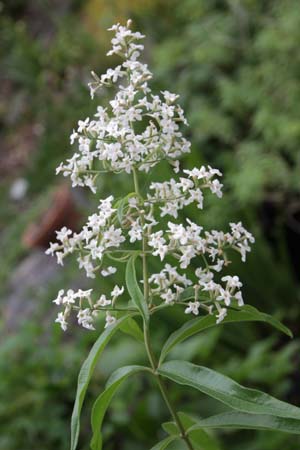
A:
(136, 131)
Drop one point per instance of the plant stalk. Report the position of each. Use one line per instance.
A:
(151, 356)
(163, 389)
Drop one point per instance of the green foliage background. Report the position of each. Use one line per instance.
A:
(236, 66)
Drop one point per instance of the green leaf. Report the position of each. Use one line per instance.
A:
(120, 205)
(85, 374)
(104, 399)
(120, 209)
(131, 328)
(249, 421)
(247, 314)
(187, 294)
(134, 289)
(226, 390)
(199, 438)
(164, 443)
(268, 319)
(171, 428)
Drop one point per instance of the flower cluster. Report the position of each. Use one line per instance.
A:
(109, 142)
(186, 243)
(176, 195)
(87, 309)
(168, 284)
(136, 132)
(97, 236)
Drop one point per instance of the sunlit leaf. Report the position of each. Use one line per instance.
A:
(227, 390)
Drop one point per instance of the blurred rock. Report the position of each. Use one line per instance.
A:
(33, 275)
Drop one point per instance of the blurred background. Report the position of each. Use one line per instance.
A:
(236, 66)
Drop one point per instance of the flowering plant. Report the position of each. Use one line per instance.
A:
(135, 133)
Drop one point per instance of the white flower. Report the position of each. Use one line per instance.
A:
(244, 248)
(108, 271)
(83, 293)
(113, 237)
(59, 298)
(171, 98)
(133, 203)
(216, 188)
(169, 297)
(210, 286)
(82, 125)
(158, 243)
(109, 320)
(69, 298)
(63, 234)
(116, 292)
(204, 275)
(135, 232)
(176, 165)
(186, 184)
(232, 282)
(192, 308)
(188, 253)
(222, 313)
(196, 196)
(225, 296)
(239, 297)
(218, 267)
(103, 301)
(178, 233)
(85, 319)
(52, 249)
(73, 137)
(62, 321)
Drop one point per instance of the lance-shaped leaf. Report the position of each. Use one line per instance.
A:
(171, 428)
(227, 390)
(104, 399)
(121, 204)
(162, 445)
(131, 328)
(200, 439)
(134, 289)
(194, 326)
(248, 421)
(85, 374)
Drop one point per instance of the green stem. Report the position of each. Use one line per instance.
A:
(147, 341)
(163, 389)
